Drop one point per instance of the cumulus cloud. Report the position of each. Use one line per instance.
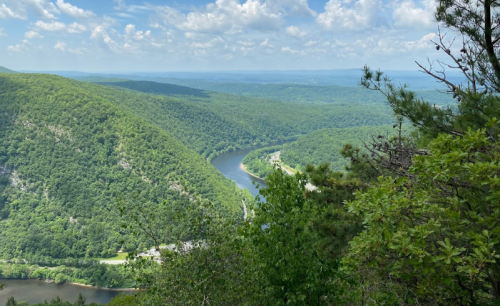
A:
(408, 14)
(345, 15)
(61, 46)
(291, 7)
(132, 33)
(19, 47)
(224, 16)
(74, 11)
(43, 9)
(295, 32)
(6, 13)
(15, 48)
(51, 26)
(32, 35)
(291, 51)
(104, 40)
(76, 28)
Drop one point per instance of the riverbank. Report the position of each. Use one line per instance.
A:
(104, 288)
(51, 281)
(36, 291)
(275, 160)
(244, 168)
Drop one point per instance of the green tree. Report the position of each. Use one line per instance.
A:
(432, 238)
(11, 302)
(294, 273)
(431, 227)
(81, 300)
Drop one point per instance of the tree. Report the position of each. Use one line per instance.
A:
(432, 238)
(11, 302)
(431, 227)
(476, 57)
(81, 300)
(478, 22)
(294, 273)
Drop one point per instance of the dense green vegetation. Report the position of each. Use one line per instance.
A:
(324, 146)
(67, 152)
(321, 146)
(300, 93)
(211, 123)
(414, 219)
(257, 162)
(86, 272)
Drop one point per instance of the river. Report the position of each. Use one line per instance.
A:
(229, 165)
(35, 291)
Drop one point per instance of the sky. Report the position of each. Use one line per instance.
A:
(221, 35)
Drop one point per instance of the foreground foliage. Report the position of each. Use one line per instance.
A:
(415, 219)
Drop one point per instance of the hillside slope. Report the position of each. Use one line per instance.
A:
(6, 70)
(67, 153)
(210, 122)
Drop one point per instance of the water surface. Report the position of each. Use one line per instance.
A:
(36, 291)
(229, 165)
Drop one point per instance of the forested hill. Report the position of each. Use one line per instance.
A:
(211, 122)
(67, 151)
(298, 93)
(6, 70)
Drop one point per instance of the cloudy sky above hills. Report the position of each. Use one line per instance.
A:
(186, 35)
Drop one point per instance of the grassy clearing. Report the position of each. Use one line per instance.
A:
(119, 256)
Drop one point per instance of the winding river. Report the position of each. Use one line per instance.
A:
(229, 165)
(35, 291)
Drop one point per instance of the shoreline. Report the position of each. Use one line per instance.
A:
(51, 281)
(104, 288)
(244, 168)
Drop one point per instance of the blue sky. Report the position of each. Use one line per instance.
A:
(201, 35)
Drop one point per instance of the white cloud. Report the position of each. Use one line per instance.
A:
(19, 47)
(2, 32)
(291, 7)
(291, 51)
(52, 26)
(32, 35)
(218, 41)
(6, 13)
(74, 11)
(295, 32)
(224, 16)
(131, 33)
(345, 15)
(104, 40)
(407, 14)
(61, 46)
(43, 9)
(15, 48)
(311, 43)
(76, 28)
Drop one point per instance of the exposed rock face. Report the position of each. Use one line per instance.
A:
(5, 171)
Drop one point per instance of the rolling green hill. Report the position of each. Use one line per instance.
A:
(301, 93)
(321, 146)
(6, 70)
(211, 123)
(68, 151)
